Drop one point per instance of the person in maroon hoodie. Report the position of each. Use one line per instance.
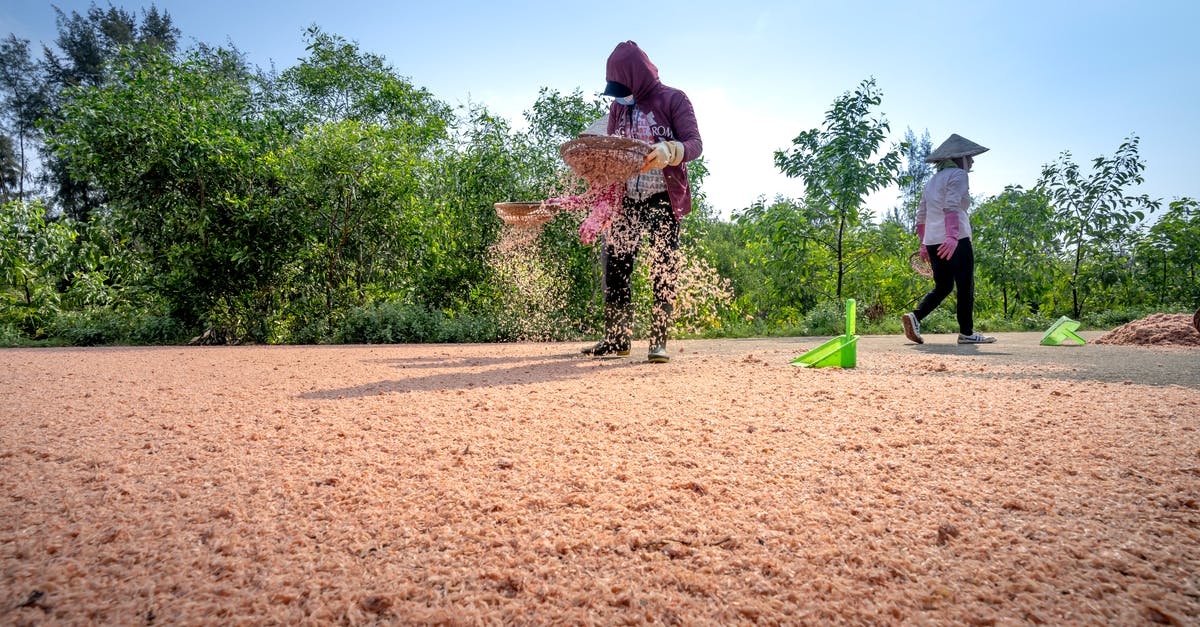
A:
(654, 201)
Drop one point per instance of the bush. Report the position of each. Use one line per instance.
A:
(89, 328)
(95, 327)
(827, 318)
(10, 336)
(156, 330)
(397, 323)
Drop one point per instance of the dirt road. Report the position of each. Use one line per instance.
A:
(523, 484)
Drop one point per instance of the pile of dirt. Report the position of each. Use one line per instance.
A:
(1155, 329)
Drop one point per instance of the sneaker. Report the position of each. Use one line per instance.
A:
(605, 349)
(975, 338)
(912, 328)
(658, 355)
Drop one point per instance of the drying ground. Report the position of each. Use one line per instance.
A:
(524, 484)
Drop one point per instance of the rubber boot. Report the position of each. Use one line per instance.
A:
(659, 330)
(618, 332)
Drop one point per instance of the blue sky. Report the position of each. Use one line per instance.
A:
(1027, 79)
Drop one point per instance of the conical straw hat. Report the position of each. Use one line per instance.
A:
(955, 147)
(599, 127)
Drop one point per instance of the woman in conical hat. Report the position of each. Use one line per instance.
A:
(945, 232)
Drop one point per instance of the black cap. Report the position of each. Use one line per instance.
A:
(617, 90)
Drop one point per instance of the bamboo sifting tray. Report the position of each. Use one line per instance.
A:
(603, 160)
(525, 214)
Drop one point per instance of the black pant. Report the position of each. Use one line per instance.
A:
(957, 272)
(652, 216)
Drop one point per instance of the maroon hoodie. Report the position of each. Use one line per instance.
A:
(671, 109)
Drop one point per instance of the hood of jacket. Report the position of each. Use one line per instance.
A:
(630, 66)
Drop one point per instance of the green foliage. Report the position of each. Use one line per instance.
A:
(350, 190)
(827, 318)
(1170, 254)
(31, 264)
(179, 150)
(834, 162)
(1018, 249)
(104, 326)
(780, 243)
(1096, 217)
(10, 335)
(384, 322)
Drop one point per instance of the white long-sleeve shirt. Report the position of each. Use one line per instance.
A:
(947, 191)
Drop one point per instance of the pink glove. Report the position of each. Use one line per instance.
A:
(590, 229)
(924, 252)
(608, 204)
(570, 203)
(946, 250)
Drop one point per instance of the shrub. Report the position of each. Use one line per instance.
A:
(827, 318)
(10, 336)
(395, 323)
(89, 328)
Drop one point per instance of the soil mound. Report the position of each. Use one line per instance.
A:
(1155, 329)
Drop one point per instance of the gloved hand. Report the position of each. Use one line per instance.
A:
(590, 229)
(924, 252)
(946, 250)
(663, 154)
(570, 203)
(607, 205)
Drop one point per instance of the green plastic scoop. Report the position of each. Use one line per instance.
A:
(839, 352)
(1060, 332)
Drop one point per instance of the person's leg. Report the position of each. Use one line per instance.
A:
(617, 253)
(943, 284)
(664, 272)
(964, 285)
(964, 280)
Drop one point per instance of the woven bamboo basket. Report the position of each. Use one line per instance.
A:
(525, 214)
(604, 160)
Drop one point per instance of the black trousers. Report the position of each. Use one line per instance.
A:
(955, 273)
(654, 219)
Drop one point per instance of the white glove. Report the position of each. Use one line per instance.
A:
(663, 154)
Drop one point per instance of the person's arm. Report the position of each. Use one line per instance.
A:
(922, 212)
(956, 197)
(607, 206)
(687, 144)
(684, 126)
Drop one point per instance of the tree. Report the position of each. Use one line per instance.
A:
(352, 188)
(338, 81)
(10, 171)
(1095, 215)
(781, 243)
(834, 162)
(181, 154)
(24, 101)
(1171, 253)
(1017, 250)
(31, 248)
(85, 46)
(912, 179)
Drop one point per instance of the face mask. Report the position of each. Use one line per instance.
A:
(627, 101)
